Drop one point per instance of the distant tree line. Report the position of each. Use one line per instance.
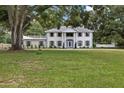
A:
(106, 21)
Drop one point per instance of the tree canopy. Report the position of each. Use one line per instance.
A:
(106, 21)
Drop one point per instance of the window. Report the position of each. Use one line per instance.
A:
(79, 34)
(59, 43)
(51, 43)
(69, 34)
(51, 34)
(87, 34)
(28, 43)
(59, 34)
(79, 43)
(87, 43)
(40, 43)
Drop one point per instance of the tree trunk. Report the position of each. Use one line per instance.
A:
(16, 36)
(17, 16)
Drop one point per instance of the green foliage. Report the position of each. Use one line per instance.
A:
(3, 14)
(107, 21)
(34, 29)
(32, 46)
(4, 36)
(36, 46)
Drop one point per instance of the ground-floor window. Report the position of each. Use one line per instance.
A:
(87, 43)
(40, 43)
(51, 43)
(79, 43)
(28, 43)
(59, 43)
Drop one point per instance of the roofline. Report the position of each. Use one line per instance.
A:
(66, 31)
(62, 30)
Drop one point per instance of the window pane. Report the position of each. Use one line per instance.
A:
(51, 43)
(51, 34)
(40, 43)
(59, 43)
(59, 34)
(79, 43)
(87, 43)
(69, 34)
(87, 34)
(79, 34)
(28, 43)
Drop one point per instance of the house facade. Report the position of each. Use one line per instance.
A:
(65, 37)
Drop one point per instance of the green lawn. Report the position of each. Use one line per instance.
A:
(53, 68)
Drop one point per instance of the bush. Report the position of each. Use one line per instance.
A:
(50, 47)
(35, 46)
(31, 46)
(39, 46)
(94, 45)
(63, 45)
(75, 45)
(54, 46)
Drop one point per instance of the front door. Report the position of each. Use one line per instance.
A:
(69, 43)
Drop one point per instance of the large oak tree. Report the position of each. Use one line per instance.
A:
(18, 19)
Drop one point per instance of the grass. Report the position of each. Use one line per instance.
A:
(52, 68)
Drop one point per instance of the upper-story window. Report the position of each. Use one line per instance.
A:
(69, 34)
(59, 34)
(79, 34)
(51, 34)
(87, 34)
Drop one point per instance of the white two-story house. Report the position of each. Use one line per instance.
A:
(65, 37)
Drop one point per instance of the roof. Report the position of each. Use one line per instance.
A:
(70, 29)
(82, 29)
(33, 38)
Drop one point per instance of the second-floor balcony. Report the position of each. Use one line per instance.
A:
(69, 34)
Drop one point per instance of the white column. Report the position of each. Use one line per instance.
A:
(55, 41)
(65, 39)
(91, 40)
(83, 39)
(47, 41)
(62, 39)
(74, 39)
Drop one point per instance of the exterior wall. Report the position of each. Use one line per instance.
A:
(75, 38)
(64, 40)
(83, 38)
(55, 38)
(105, 45)
(33, 43)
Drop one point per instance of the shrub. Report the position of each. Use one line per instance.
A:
(31, 46)
(75, 45)
(35, 46)
(54, 46)
(63, 45)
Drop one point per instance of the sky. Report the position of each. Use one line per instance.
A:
(88, 8)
